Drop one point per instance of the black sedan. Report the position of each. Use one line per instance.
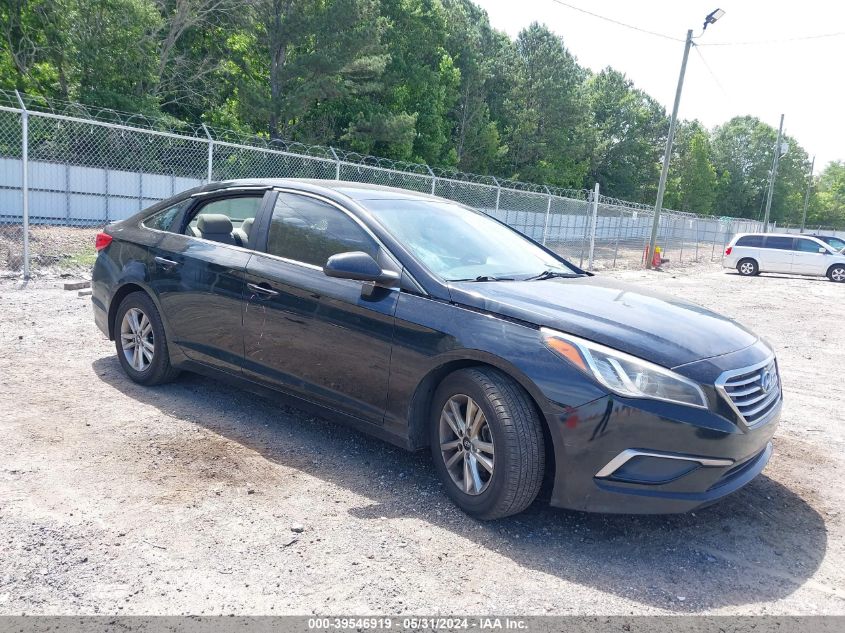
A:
(430, 324)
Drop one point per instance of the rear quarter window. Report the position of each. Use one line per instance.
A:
(752, 241)
(783, 243)
(164, 219)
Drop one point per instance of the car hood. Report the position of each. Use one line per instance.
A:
(654, 326)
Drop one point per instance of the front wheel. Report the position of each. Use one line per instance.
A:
(141, 342)
(837, 273)
(487, 443)
(747, 268)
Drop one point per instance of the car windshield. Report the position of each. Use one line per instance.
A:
(459, 244)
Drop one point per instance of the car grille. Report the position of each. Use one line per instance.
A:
(753, 392)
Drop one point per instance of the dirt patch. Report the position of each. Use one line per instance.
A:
(115, 498)
(54, 250)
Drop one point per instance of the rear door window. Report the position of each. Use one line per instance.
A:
(782, 243)
(226, 220)
(752, 241)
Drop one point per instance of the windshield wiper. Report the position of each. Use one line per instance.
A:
(550, 274)
(486, 278)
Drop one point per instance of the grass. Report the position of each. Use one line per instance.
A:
(84, 258)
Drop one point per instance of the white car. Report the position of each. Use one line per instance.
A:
(755, 253)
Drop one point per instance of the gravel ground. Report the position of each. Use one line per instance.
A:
(198, 498)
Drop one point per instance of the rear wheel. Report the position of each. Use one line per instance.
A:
(487, 443)
(747, 267)
(837, 273)
(140, 341)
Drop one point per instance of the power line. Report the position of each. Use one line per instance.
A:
(677, 39)
(617, 22)
(781, 41)
(710, 70)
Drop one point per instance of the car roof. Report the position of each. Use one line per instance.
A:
(355, 190)
(778, 234)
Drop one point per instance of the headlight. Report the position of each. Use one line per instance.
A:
(623, 374)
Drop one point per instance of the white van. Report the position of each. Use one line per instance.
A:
(755, 253)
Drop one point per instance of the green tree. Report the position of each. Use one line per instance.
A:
(546, 112)
(481, 54)
(693, 180)
(34, 54)
(630, 136)
(422, 80)
(827, 207)
(743, 149)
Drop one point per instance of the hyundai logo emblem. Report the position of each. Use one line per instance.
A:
(766, 380)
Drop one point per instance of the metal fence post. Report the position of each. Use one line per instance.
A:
(108, 196)
(696, 239)
(584, 233)
(336, 163)
(715, 237)
(616, 243)
(433, 179)
(67, 192)
(25, 182)
(210, 151)
(548, 214)
(593, 226)
(683, 237)
(498, 193)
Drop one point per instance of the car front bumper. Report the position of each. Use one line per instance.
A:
(619, 455)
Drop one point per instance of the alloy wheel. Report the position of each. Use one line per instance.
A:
(837, 274)
(466, 444)
(746, 268)
(137, 339)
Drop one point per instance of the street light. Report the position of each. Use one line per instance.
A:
(712, 17)
(664, 173)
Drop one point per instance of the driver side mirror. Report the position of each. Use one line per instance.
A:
(359, 266)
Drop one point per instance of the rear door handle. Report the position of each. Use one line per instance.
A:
(263, 289)
(166, 263)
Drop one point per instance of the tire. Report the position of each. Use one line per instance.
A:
(747, 268)
(138, 326)
(837, 273)
(510, 424)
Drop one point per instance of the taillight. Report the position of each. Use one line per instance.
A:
(727, 250)
(103, 240)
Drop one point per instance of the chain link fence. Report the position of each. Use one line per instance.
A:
(66, 170)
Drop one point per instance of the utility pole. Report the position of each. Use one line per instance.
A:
(664, 173)
(772, 177)
(807, 194)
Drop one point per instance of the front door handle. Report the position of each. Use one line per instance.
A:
(167, 264)
(263, 289)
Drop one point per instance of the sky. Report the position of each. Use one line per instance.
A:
(802, 79)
